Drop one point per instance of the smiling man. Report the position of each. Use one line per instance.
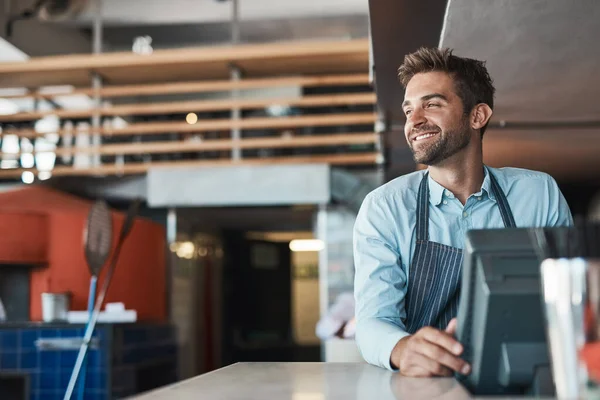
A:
(409, 233)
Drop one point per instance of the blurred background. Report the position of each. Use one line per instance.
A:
(251, 131)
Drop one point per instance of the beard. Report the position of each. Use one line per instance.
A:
(444, 145)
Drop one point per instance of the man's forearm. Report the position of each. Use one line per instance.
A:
(377, 339)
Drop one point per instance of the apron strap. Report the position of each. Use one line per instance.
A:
(505, 211)
(423, 207)
(423, 210)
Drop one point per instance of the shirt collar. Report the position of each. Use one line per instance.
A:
(486, 187)
(436, 191)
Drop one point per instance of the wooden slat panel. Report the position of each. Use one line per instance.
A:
(221, 144)
(202, 86)
(140, 168)
(219, 125)
(198, 106)
(191, 63)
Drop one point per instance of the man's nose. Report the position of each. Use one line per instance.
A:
(417, 117)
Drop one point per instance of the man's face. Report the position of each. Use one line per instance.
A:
(436, 126)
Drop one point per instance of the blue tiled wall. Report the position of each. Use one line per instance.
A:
(49, 370)
(112, 368)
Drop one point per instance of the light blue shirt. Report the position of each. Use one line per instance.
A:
(385, 236)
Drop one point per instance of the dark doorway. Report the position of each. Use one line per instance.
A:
(14, 291)
(257, 300)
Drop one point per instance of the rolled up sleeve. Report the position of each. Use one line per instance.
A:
(559, 213)
(379, 284)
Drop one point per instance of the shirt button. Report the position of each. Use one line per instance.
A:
(445, 201)
(478, 198)
(465, 214)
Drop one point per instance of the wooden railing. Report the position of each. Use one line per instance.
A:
(196, 106)
(331, 121)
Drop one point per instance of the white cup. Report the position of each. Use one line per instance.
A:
(55, 306)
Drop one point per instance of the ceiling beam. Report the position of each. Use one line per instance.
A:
(154, 12)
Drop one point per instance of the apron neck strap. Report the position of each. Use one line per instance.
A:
(505, 212)
(423, 207)
(423, 210)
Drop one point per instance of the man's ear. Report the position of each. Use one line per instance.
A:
(480, 116)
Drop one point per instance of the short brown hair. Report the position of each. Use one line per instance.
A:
(472, 80)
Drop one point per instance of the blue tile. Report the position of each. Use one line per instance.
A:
(97, 379)
(97, 358)
(88, 380)
(8, 340)
(53, 394)
(9, 360)
(49, 380)
(33, 382)
(67, 358)
(65, 375)
(49, 333)
(94, 395)
(92, 358)
(69, 333)
(100, 333)
(28, 338)
(29, 360)
(49, 360)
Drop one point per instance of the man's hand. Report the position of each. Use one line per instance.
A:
(430, 352)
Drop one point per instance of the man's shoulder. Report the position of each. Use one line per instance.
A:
(397, 188)
(508, 176)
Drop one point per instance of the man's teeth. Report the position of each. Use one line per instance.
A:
(425, 136)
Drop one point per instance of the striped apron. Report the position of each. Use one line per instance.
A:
(434, 278)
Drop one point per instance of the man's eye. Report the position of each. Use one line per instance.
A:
(407, 112)
(431, 105)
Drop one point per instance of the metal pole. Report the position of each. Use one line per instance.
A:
(95, 161)
(97, 80)
(235, 75)
(235, 22)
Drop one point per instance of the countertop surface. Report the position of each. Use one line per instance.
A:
(309, 381)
